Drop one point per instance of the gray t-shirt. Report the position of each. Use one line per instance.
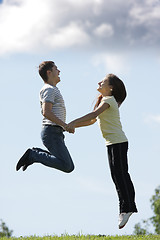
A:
(52, 94)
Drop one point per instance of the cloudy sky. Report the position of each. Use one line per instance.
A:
(28, 26)
(87, 39)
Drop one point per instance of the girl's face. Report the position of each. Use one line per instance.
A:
(104, 87)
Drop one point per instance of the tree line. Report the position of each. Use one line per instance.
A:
(142, 228)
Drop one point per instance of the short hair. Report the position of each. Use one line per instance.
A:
(44, 67)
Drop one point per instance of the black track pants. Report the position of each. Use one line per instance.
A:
(118, 162)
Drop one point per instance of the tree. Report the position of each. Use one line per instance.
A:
(155, 220)
(138, 230)
(4, 230)
(155, 205)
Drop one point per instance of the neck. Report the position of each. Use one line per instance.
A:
(51, 82)
(106, 94)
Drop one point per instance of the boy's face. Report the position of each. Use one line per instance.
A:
(54, 73)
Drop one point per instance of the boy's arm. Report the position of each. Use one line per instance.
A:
(47, 113)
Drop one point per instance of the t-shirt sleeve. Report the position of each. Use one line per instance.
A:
(108, 100)
(48, 95)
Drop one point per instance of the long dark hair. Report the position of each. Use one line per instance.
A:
(118, 90)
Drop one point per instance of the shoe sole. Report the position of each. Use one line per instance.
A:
(122, 226)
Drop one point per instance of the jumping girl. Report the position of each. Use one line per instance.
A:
(106, 110)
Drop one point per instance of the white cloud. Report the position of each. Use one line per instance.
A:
(144, 20)
(145, 15)
(152, 119)
(68, 36)
(113, 63)
(104, 30)
(28, 25)
(21, 25)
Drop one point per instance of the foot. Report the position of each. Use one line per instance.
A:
(24, 160)
(123, 219)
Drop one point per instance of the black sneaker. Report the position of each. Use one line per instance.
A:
(25, 167)
(24, 160)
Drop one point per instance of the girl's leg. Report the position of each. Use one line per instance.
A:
(118, 162)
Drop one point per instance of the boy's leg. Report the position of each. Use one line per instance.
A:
(58, 156)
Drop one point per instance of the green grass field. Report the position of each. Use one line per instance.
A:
(87, 237)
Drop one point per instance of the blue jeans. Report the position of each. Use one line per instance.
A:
(57, 156)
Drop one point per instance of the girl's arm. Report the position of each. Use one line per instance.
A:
(88, 118)
(86, 123)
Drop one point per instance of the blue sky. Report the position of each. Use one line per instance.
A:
(87, 40)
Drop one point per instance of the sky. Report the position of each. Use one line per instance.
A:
(87, 39)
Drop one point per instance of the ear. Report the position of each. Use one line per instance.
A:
(48, 72)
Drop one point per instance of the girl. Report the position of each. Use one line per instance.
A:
(106, 110)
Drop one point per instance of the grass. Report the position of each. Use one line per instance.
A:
(87, 237)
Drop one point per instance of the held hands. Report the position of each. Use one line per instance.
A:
(70, 127)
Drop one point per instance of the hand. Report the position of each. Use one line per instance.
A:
(70, 127)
